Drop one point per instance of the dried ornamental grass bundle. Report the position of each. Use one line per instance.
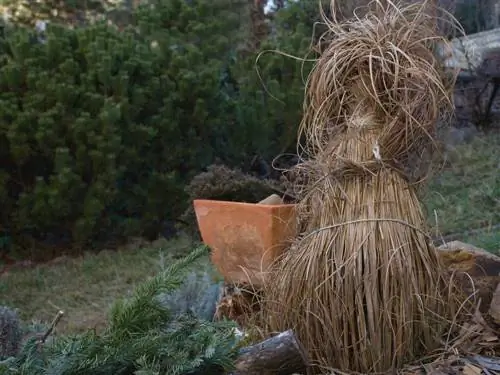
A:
(363, 287)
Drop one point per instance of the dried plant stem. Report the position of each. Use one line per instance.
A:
(51, 328)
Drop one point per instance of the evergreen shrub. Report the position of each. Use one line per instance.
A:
(100, 128)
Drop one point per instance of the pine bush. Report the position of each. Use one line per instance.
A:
(101, 128)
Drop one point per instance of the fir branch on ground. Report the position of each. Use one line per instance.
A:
(143, 335)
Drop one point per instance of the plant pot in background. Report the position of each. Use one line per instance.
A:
(245, 238)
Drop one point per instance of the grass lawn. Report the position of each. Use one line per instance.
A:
(84, 288)
(465, 195)
(489, 240)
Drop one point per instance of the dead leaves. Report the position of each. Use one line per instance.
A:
(237, 304)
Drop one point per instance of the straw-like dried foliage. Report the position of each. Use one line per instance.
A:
(383, 64)
(363, 287)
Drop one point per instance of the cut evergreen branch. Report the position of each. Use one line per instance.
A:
(141, 312)
(198, 294)
(143, 337)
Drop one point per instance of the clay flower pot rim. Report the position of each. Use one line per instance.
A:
(243, 204)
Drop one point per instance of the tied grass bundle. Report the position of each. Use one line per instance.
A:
(383, 65)
(363, 287)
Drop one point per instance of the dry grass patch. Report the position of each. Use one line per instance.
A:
(466, 193)
(85, 287)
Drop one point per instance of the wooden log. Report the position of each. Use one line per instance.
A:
(280, 354)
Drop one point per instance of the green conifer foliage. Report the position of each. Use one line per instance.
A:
(72, 12)
(143, 337)
(272, 81)
(101, 127)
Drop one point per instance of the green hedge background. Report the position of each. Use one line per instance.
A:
(103, 125)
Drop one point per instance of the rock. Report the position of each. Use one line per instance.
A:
(10, 333)
(273, 199)
(478, 270)
(473, 260)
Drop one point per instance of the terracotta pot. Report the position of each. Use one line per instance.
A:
(245, 238)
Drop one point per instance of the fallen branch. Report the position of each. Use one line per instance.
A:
(51, 328)
(280, 354)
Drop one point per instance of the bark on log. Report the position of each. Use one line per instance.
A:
(280, 354)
